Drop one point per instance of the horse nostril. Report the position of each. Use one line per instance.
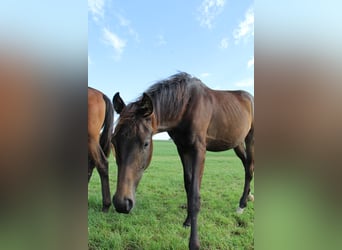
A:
(129, 204)
(123, 205)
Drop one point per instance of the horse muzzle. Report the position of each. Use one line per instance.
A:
(123, 205)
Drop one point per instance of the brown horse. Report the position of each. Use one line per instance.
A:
(197, 118)
(100, 116)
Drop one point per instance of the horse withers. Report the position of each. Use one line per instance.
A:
(197, 119)
(100, 117)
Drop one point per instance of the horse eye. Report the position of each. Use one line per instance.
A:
(146, 144)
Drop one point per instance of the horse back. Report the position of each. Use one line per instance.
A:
(231, 119)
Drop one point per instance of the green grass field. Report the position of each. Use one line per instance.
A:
(156, 221)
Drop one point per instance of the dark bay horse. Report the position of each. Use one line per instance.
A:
(100, 116)
(197, 118)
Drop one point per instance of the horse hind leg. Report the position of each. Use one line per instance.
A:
(240, 151)
(97, 158)
(91, 166)
(102, 168)
(92, 156)
(250, 161)
(247, 157)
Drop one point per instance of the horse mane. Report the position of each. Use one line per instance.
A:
(170, 96)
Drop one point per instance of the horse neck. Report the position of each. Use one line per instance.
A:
(161, 124)
(166, 117)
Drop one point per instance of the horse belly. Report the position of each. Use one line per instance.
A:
(225, 139)
(219, 145)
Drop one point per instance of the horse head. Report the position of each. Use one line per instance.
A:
(132, 140)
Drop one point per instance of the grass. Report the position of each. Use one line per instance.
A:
(156, 220)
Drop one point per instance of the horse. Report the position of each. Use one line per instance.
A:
(100, 117)
(197, 119)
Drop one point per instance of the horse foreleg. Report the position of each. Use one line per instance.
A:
(187, 171)
(195, 199)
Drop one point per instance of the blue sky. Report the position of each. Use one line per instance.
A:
(133, 44)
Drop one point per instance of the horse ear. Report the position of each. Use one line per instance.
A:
(118, 103)
(146, 105)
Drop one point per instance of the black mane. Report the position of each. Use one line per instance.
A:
(170, 95)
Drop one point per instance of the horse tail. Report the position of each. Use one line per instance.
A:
(105, 139)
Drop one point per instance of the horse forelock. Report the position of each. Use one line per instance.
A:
(127, 118)
(130, 118)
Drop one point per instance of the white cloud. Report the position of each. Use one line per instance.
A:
(124, 22)
(246, 27)
(96, 7)
(250, 62)
(249, 82)
(209, 10)
(224, 43)
(114, 41)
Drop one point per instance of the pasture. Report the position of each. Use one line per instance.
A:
(156, 221)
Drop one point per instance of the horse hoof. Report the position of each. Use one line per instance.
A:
(194, 245)
(239, 210)
(105, 209)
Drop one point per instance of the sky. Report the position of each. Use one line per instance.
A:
(134, 44)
